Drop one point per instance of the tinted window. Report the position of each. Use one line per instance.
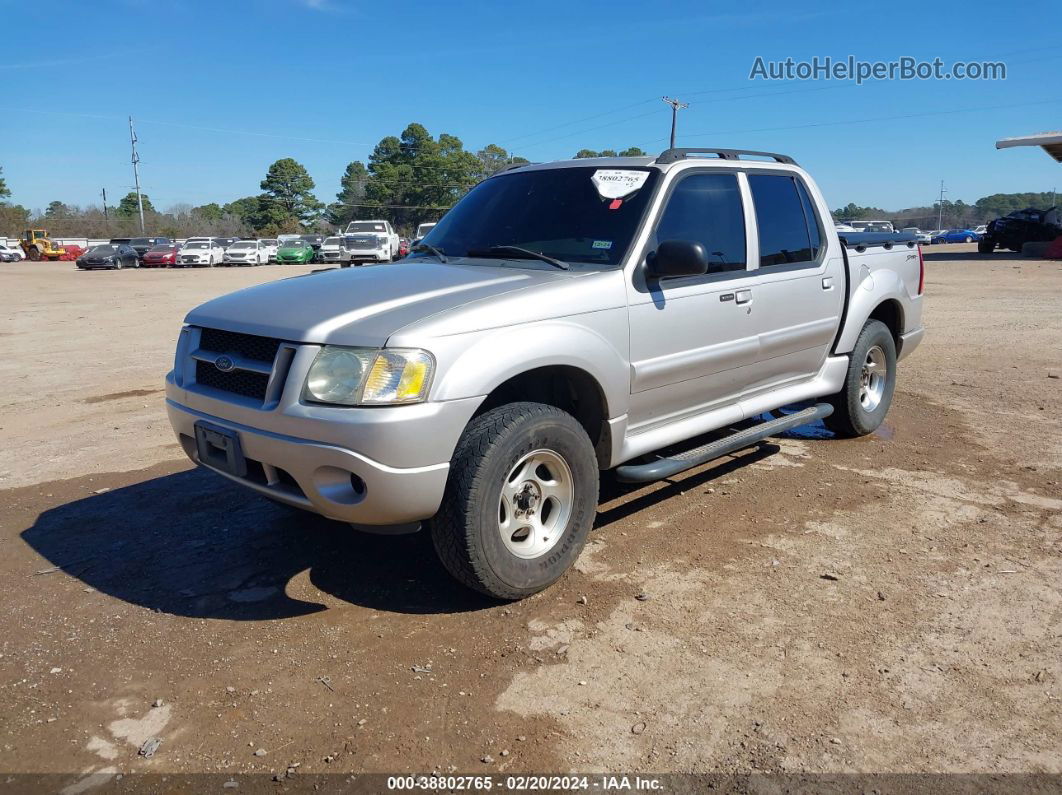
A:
(783, 229)
(811, 219)
(706, 208)
(555, 211)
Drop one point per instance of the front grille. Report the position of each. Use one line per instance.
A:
(363, 244)
(239, 382)
(261, 349)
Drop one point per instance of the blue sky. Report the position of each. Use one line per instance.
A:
(220, 90)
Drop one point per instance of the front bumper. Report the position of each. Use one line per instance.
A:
(367, 466)
(369, 255)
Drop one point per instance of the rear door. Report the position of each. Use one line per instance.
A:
(797, 294)
(690, 339)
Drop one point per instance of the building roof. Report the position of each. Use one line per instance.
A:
(1050, 142)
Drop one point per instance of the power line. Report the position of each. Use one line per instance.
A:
(867, 120)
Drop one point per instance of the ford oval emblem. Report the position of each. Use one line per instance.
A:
(225, 364)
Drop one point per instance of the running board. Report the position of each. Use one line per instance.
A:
(666, 467)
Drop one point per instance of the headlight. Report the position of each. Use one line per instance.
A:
(363, 376)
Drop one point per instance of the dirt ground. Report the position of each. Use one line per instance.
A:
(889, 604)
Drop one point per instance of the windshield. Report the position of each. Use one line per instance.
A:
(559, 212)
(365, 226)
(101, 251)
(198, 245)
(294, 244)
(331, 241)
(244, 244)
(423, 229)
(268, 242)
(162, 249)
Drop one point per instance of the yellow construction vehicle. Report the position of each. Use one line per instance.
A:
(36, 245)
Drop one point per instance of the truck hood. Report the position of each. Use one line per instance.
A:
(361, 306)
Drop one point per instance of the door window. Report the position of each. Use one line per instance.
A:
(785, 217)
(707, 209)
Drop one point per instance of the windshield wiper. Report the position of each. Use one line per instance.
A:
(431, 250)
(516, 252)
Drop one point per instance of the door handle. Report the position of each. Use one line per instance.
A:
(743, 296)
(827, 283)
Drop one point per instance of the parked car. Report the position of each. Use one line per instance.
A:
(872, 226)
(314, 241)
(920, 236)
(144, 244)
(331, 250)
(121, 241)
(295, 252)
(1020, 227)
(197, 253)
(8, 254)
(160, 256)
(981, 229)
(376, 241)
(270, 246)
(422, 232)
(956, 236)
(564, 319)
(246, 252)
(110, 256)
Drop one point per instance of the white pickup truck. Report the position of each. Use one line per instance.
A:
(562, 319)
(371, 241)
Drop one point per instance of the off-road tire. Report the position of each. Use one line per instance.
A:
(850, 418)
(465, 532)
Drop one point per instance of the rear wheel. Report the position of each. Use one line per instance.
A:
(519, 502)
(860, 407)
(35, 255)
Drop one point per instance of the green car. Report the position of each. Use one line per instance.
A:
(295, 252)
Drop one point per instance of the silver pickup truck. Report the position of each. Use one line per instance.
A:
(561, 319)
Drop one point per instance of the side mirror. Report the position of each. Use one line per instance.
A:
(677, 258)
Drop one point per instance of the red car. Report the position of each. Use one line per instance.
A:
(160, 256)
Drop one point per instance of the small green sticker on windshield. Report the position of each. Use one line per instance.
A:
(606, 244)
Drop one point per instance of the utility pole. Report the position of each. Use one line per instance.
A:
(676, 106)
(136, 174)
(940, 206)
(104, 192)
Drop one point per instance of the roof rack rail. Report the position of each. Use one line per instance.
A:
(673, 155)
(510, 167)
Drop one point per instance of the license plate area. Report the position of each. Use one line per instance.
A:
(220, 449)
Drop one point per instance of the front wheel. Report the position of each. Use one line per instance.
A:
(520, 500)
(861, 405)
(985, 246)
(967, 239)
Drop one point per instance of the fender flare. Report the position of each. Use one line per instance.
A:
(871, 292)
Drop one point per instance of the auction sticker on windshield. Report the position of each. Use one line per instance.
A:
(618, 183)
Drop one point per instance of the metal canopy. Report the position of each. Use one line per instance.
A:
(1050, 142)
